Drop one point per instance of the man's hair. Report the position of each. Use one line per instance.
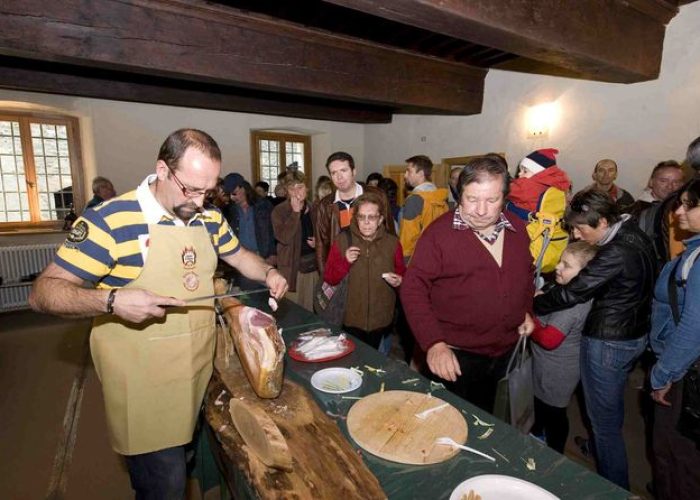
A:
(372, 197)
(482, 167)
(374, 176)
(174, 147)
(605, 160)
(99, 182)
(692, 157)
(291, 178)
(589, 206)
(582, 251)
(264, 185)
(341, 156)
(422, 164)
(665, 164)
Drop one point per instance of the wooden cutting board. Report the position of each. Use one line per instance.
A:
(385, 424)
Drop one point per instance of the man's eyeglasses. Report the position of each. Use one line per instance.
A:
(186, 192)
(368, 218)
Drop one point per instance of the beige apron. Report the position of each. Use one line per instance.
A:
(154, 374)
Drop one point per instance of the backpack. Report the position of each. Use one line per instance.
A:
(432, 209)
(548, 239)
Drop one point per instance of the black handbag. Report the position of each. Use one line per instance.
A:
(689, 420)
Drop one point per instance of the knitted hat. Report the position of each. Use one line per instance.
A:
(538, 160)
(232, 181)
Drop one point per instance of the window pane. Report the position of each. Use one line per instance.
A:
(264, 158)
(54, 183)
(38, 146)
(48, 130)
(12, 201)
(274, 145)
(274, 159)
(22, 182)
(5, 127)
(7, 164)
(18, 146)
(66, 181)
(9, 183)
(36, 129)
(63, 148)
(50, 147)
(52, 165)
(6, 145)
(61, 132)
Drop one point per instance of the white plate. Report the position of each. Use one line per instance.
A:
(498, 487)
(336, 380)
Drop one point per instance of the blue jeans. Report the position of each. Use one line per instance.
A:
(605, 365)
(159, 475)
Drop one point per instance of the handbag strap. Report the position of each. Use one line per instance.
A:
(674, 285)
(519, 348)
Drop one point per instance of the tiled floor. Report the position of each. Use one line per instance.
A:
(41, 359)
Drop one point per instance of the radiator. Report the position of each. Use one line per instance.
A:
(18, 263)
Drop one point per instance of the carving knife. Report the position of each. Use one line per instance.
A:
(224, 295)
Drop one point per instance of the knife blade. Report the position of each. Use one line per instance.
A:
(224, 295)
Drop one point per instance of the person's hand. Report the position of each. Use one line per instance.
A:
(136, 305)
(352, 253)
(276, 283)
(311, 242)
(297, 203)
(527, 326)
(443, 362)
(659, 395)
(393, 279)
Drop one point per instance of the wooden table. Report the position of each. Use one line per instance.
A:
(513, 450)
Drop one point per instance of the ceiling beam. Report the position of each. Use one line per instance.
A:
(606, 40)
(202, 42)
(52, 78)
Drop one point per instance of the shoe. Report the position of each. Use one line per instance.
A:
(582, 444)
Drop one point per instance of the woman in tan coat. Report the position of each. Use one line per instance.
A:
(293, 228)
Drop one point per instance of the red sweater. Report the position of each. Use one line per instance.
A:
(454, 291)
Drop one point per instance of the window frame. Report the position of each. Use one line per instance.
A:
(257, 135)
(72, 125)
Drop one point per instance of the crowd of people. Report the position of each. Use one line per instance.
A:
(596, 279)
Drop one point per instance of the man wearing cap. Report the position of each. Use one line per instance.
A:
(604, 175)
(131, 263)
(250, 217)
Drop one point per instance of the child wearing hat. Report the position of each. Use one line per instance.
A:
(537, 172)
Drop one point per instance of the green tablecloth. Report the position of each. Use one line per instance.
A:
(553, 471)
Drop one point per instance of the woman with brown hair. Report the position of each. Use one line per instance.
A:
(293, 228)
(373, 262)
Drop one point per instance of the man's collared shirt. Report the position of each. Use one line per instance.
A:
(345, 207)
(459, 224)
(108, 244)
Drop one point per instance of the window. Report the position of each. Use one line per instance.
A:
(273, 152)
(40, 170)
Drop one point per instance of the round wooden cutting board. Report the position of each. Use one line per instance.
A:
(385, 424)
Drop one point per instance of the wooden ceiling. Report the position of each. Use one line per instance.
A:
(345, 60)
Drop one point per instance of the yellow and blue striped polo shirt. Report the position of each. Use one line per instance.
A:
(108, 243)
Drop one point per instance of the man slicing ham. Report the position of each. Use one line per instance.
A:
(152, 353)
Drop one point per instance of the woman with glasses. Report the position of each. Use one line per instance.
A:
(620, 280)
(373, 262)
(675, 338)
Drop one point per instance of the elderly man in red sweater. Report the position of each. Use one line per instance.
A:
(468, 290)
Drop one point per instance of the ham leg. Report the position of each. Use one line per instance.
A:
(259, 345)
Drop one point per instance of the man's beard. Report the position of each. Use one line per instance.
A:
(186, 211)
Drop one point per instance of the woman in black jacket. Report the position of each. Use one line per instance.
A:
(620, 281)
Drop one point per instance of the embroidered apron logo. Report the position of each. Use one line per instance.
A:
(190, 281)
(189, 258)
(78, 233)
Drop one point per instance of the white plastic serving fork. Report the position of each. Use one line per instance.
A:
(448, 441)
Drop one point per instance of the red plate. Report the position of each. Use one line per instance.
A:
(297, 356)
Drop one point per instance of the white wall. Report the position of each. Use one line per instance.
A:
(121, 139)
(637, 125)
